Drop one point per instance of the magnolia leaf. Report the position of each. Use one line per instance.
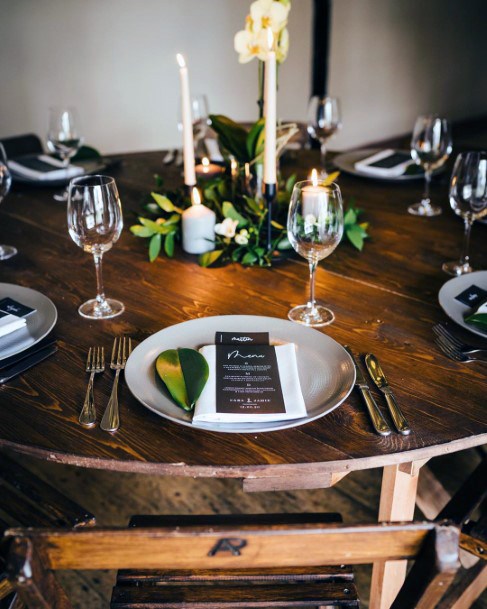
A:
(277, 225)
(253, 205)
(250, 258)
(290, 183)
(229, 211)
(155, 247)
(195, 372)
(169, 244)
(355, 236)
(331, 177)
(141, 231)
(477, 319)
(253, 136)
(232, 135)
(165, 203)
(169, 370)
(209, 258)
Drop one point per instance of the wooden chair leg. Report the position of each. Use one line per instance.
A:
(36, 587)
(397, 502)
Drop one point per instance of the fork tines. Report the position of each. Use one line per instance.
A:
(95, 360)
(122, 347)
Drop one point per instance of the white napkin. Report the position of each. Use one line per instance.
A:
(205, 408)
(56, 172)
(10, 323)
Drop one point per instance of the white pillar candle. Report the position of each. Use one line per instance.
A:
(270, 83)
(187, 121)
(314, 197)
(198, 226)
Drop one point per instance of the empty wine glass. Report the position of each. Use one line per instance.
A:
(6, 251)
(200, 121)
(431, 146)
(315, 228)
(468, 199)
(63, 137)
(324, 120)
(95, 223)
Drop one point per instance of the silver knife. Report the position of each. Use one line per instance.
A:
(380, 380)
(27, 363)
(379, 423)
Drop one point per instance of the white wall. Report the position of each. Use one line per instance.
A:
(115, 61)
(394, 59)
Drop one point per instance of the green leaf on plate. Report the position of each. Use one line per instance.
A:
(478, 320)
(195, 371)
(169, 370)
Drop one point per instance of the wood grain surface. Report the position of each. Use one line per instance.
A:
(385, 301)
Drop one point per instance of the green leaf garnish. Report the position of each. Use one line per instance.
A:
(184, 372)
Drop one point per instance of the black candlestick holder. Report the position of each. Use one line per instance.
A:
(270, 192)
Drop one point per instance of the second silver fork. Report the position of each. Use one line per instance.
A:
(122, 348)
(95, 362)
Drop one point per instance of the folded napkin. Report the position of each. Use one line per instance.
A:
(10, 323)
(246, 408)
(479, 317)
(44, 168)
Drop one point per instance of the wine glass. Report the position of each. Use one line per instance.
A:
(200, 122)
(431, 146)
(6, 251)
(468, 199)
(63, 137)
(95, 223)
(324, 120)
(315, 228)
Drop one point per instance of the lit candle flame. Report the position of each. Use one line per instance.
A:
(270, 39)
(180, 59)
(314, 177)
(205, 161)
(195, 196)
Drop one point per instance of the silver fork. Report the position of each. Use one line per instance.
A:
(95, 362)
(122, 348)
(454, 348)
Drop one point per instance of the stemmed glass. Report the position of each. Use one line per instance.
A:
(6, 251)
(63, 137)
(431, 146)
(95, 223)
(200, 121)
(315, 228)
(468, 199)
(324, 120)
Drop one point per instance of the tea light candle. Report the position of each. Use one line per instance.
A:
(314, 197)
(198, 226)
(207, 170)
(187, 121)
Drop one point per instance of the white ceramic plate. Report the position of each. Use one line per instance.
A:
(453, 307)
(346, 162)
(326, 371)
(39, 324)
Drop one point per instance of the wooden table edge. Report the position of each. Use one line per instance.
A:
(251, 471)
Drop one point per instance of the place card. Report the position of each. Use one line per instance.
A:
(237, 338)
(10, 323)
(14, 307)
(472, 296)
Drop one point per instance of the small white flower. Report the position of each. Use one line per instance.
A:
(227, 228)
(243, 237)
(309, 222)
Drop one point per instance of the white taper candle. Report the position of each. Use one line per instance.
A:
(270, 83)
(188, 146)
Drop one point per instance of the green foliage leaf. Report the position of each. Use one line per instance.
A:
(277, 225)
(290, 182)
(253, 205)
(350, 216)
(209, 258)
(170, 372)
(155, 247)
(229, 211)
(355, 235)
(195, 372)
(141, 231)
(253, 136)
(169, 244)
(232, 135)
(165, 203)
(478, 320)
(250, 258)
(284, 244)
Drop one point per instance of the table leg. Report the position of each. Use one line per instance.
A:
(397, 501)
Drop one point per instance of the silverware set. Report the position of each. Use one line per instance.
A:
(376, 373)
(454, 348)
(95, 364)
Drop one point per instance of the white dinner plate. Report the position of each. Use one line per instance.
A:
(39, 324)
(455, 309)
(326, 371)
(346, 162)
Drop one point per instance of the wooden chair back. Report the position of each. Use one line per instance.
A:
(227, 546)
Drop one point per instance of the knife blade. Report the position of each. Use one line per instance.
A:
(380, 380)
(15, 359)
(378, 422)
(9, 373)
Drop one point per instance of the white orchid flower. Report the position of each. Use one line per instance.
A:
(249, 45)
(227, 228)
(268, 14)
(243, 237)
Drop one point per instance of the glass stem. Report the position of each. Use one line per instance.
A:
(100, 291)
(323, 154)
(427, 181)
(311, 301)
(465, 258)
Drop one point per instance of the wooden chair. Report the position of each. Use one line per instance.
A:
(26, 500)
(243, 561)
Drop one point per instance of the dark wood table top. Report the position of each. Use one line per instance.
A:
(385, 301)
